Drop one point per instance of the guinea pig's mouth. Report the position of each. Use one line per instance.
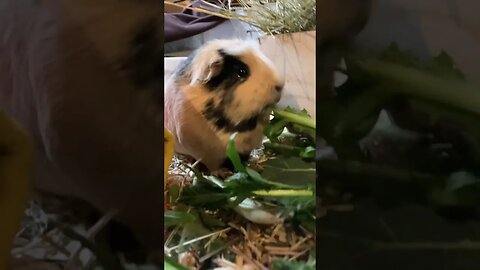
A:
(267, 110)
(277, 99)
(266, 114)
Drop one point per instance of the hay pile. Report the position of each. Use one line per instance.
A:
(271, 17)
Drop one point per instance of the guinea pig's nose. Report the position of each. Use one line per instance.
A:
(278, 88)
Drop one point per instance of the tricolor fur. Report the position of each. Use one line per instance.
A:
(224, 87)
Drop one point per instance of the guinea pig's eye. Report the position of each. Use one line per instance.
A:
(241, 71)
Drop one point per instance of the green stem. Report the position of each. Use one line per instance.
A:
(292, 117)
(257, 177)
(450, 92)
(283, 193)
(283, 147)
(170, 264)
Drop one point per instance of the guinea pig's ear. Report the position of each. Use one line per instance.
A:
(207, 67)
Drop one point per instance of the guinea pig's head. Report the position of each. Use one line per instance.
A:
(241, 82)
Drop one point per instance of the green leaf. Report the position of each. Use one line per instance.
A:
(243, 185)
(303, 209)
(308, 153)
(192, 231)
(173, 193)
(211, 200)
(210, 220)
(365, 105)
(232, 154)
(170, 264)
(204, 194)
(290, 170)
(263, 181)
(240, 184)
(172, 218)
(443, 66)
(395, 55)
(284, 193)
(275, 128)
(283, 264)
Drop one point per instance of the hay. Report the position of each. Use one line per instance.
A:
(278, 17)
(271, 17)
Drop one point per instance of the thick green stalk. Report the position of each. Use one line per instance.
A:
(304, 121)
(450, 92)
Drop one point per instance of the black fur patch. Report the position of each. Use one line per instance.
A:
(217, 116)
(233, 72)
(144, 60)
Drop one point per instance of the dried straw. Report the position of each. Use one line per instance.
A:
(271, 17)
(278, 17)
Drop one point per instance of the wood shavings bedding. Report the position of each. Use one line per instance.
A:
(251, 246)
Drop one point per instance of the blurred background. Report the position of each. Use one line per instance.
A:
(377, 223)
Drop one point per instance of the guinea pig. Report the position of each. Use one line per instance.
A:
(84, 79)
(224, 87)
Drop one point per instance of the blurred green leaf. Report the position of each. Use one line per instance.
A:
(173, 193)
(443, 66)
(283, 264)
(172, 218)
(171, 264)
(210, 220)
(260, 179)
(395, 55)
(460, 180)
(303, 209)
(308, 153)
